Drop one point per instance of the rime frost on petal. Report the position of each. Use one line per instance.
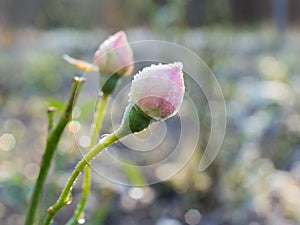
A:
(158, 90)
(115, 55)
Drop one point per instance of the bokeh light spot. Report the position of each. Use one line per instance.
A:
(74, 126)
(148, 196)
(7, 142)
(84, 141)
(192, 217)
(136, 193)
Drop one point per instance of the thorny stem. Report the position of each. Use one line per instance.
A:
(51, 145)
(84, 196)
(65, 194)
(98, 119)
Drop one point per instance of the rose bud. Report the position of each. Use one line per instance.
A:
(156, 94)
(158, 90)
(114, 58)
(115, 55)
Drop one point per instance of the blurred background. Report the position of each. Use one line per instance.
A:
(252, 47)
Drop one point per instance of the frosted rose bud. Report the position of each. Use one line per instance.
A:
(115, 55)
(158, 90)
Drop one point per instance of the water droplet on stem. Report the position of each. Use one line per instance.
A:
(81, 219)
(103, 136)
(68, 200)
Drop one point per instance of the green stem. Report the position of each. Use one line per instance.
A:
(98, 119)
(64, 196)
(84, 196)
(52, 142)
(50, 111)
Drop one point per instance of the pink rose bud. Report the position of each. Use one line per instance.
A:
(115, 55)
(158, 90)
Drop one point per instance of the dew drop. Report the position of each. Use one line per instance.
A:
(68, 199)
(68, 202)
(103, 136)
(81, 219)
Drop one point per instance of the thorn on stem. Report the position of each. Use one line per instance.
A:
(51, 110)
(50, 211)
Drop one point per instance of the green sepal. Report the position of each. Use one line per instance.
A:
(138, 120)
(110, 84)
(134, 120)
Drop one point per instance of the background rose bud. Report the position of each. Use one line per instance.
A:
(158, 90)
(115, 55)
